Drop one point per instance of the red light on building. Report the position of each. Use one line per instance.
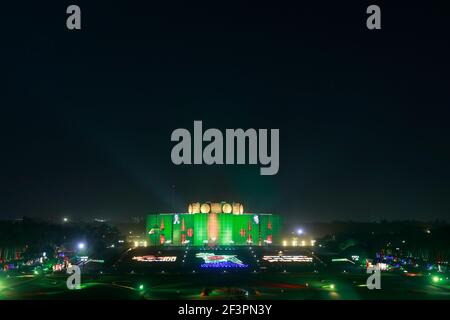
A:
(213, 227)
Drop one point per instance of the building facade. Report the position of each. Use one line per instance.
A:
(213, 224)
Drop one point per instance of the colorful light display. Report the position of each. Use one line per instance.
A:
(221, 265)
(302, 259)
(214, 228)
(212, 260)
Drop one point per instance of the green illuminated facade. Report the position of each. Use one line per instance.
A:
(200, 229)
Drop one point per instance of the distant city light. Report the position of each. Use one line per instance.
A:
(299, 231)
(81, 245)
(141, 287)
(65, 219)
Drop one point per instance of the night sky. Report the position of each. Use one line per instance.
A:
(86, 116)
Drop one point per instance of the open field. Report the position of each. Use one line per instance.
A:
(284, 286)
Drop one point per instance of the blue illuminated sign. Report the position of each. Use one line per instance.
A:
(226, 264)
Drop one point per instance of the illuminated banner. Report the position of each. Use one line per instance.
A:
(212, 260)
(288, 259)
(152, 258)
(342, 260)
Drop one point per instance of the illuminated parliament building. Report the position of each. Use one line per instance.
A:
(213, 223)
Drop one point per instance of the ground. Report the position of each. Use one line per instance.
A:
(277, 286)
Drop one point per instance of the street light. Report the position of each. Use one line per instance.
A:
(300, 231)
(81, 245)
(65, 219)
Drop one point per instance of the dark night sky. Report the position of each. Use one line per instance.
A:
(363, 115)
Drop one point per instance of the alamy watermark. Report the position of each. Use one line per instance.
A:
(374, 280)
(74, 280)
(228, 150)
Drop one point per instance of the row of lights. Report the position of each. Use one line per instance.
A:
(140, 244)
(296, 243)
